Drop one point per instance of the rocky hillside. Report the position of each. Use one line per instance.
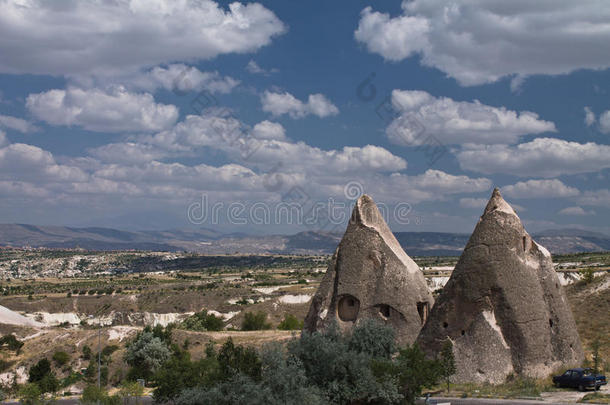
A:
(311, 242)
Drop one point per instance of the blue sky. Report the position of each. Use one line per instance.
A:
(131, 114)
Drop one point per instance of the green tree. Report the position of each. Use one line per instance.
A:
(61, 358)
(94, 395)
(202, 321)
(11, 342)
(373, 337)
(238, 359)
(447, 363)
(415, 372)
(30, 394)
(129, 391)
(49, 383)
(255, 321)
(39, 370)
(145, 355)
(180, 373)
(290, 322)
(344, 376)
(87, 352)
(596, 357)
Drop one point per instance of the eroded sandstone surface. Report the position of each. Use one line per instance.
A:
(503, 308)
(370, 276)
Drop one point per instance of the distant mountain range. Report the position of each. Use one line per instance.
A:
(310, 242)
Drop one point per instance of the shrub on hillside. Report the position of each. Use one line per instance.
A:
(11, 343)
(255, 321)
(61, 358)
(92, 395)
(374, 338)
(202, 321)
(344, 375)
(318, 368)
(42, 375)
(145, 355)
(290, 322)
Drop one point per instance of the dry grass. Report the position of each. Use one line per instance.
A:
(591, 307)
(595, 398)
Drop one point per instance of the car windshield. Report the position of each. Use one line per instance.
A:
(587, 372)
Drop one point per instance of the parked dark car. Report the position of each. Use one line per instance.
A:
(581, 378)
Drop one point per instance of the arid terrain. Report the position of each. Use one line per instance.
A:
(60, 300)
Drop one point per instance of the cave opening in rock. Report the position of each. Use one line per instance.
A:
(422, 309)
(384, 310)
(348, 308)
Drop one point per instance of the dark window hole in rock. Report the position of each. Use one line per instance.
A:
(348, 308)
(384, 310)
(422, 309)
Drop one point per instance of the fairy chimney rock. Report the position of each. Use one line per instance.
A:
(370, 276)
(503, 308)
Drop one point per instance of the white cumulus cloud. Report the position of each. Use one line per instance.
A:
(114, 110)
(546, 157)
(269, 130)
(482, 41)
(599, 198)
(604, 122)
(458, 122)
(182, 78)
(589, 116)
(576, 211)
(108, 38)
(17, 124)
(285, 103)
(540, 189)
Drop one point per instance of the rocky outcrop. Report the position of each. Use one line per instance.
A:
(370, 276)
(503, 308)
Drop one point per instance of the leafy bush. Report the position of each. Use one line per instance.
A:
(145, 355)
(255, 321)
(587, 275)
(39, 370)
(130, 390)
(42, 375)
(87, 352)
(202, 321)
(30, 394)
(290, 322)
(233, 360)
(374, 338)
(180, 373)
(317, 368)
(412, 371)
(11, 342)
(94, 395)
(344, 375)
(61, 358)
(107, 352)
(239, 390)
(447, 363)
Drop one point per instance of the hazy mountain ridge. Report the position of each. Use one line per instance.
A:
(309, 242)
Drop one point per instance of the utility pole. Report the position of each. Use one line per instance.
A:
(99, 357)
(99, 346)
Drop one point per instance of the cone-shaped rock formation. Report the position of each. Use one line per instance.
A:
(503, 307)
(370, 276)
